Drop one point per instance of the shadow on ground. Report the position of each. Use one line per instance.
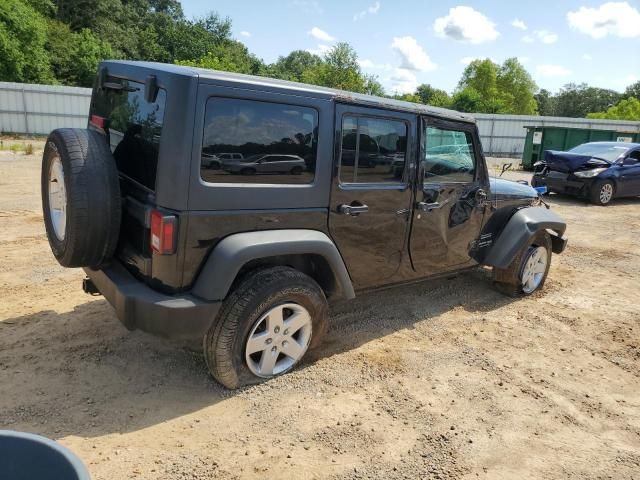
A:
(82, 373)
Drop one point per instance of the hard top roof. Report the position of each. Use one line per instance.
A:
(329, 93)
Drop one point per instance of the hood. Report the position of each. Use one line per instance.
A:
(502, 188)
(570, 162)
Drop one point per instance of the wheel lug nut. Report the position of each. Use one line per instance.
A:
(286, 332)
(284, 344)
(274, 349)
(268, 341)
(276, 330)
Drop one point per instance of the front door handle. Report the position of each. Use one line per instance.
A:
(428, 206)
(353, 210)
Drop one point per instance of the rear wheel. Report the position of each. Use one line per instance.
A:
(602, 192)
(529, 269)
(265, 327)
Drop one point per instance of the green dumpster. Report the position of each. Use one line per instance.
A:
(540, 139)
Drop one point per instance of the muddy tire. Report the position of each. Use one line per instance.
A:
(515, 280)
(80, 197)
(602, 192)
(265, 327)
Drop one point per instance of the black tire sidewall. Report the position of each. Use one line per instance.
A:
(256, 295)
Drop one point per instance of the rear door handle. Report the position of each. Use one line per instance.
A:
(428, 206)
(353, 210)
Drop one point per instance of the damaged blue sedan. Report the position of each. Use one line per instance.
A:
(597, 171)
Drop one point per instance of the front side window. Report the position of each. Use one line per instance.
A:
(247, 141)
(448, 156)
(133, 127)
(373, 150)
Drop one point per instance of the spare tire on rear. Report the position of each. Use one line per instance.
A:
(80, 197)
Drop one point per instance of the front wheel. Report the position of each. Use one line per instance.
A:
(602, 192)
(265, 327)
(528, 270)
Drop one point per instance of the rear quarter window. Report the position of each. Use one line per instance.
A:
(248, 141)
(133, 127)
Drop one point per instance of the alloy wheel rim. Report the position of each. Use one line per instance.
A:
(57, 199)
(534, 269)
(278, 340)
(606, 192)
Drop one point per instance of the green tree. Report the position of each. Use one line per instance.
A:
(75, 56)
(633, 90)
(579, 100)
(481, 76)
(293, 66)
(229, 56)
(340, 70)
(628, 109)
(23, 34)
(546, 103)
(516, 88)
(432, 96)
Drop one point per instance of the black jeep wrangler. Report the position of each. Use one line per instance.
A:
(231, 209)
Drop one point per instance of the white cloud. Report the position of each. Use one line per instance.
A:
(548, 70)
(466, 25)
(244, 33)
(368, 64)
(544, 36)
(519, 24)
(587, 57)
(370, 10)
(611, 18)
(412, 54)
(308, 6)
(320, 50)
(524, 60)
(403, 81)
(320, 34)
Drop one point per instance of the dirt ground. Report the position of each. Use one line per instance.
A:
(443, 379)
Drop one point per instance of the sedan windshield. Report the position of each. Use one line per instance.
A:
(606, 152)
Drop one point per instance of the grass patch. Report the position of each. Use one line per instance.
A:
(26, 148)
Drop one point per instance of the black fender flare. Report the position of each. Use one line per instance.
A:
(235, 251)
(519, 231)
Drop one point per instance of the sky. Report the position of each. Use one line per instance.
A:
(409, 42)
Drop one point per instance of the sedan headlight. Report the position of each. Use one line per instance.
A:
(589, 173)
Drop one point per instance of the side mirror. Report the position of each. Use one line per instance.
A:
(628, 161)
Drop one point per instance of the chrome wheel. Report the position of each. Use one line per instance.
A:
(57, 199)
(534, 269)
(278, 340)
(606, 193)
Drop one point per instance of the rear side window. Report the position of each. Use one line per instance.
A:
(448, 156)
(373, 150)
(133, 127)
(247, 141)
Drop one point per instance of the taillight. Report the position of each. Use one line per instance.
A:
(98, 121)
(163, 233)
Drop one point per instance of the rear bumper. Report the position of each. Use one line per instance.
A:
(137, 306)
(569, 185)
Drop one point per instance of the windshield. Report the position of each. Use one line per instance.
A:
(606, 151)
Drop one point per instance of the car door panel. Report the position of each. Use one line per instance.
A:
(450, 201)
(629, 174)
(369, 207)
